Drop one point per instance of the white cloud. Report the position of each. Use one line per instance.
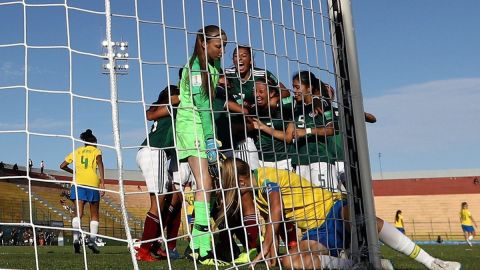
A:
(11, 70)
(434, 124)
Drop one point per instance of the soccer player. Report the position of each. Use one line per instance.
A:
(399, 221)
(241, 78)
(195, 130)
(313, 125)
(87, 159)
(467, 221)
(153, 159)
(319, 212)
(271, 139)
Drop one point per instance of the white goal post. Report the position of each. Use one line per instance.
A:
(68, 66)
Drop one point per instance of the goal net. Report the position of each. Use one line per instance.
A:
(283, 101)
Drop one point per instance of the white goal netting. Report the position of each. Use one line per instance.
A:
(69, 66)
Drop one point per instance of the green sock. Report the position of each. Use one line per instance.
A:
(200, 233)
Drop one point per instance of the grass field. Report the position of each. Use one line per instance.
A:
(117, 257)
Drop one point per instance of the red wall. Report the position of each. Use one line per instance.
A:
(426, 186)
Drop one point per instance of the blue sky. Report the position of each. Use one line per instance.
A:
(419, 64)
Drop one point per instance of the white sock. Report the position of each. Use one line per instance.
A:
(392, 237)
(76, 226)
(93, 229)
(329, 262)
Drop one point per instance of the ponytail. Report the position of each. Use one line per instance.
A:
(229, 171)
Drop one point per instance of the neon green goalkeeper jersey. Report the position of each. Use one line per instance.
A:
(194, 123)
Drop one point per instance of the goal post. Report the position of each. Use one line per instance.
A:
(352, 121)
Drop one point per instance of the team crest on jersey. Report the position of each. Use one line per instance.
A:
(196, 80)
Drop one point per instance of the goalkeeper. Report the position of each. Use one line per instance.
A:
(195, 131)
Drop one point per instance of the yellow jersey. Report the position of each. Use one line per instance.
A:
(466, 217)
(85, 165)
(399, 222)
(303, 203)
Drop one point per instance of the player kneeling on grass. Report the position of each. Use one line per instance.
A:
(317, 211)
(86, 159)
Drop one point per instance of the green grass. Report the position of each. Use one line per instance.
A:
(118, 257)
(469, 257)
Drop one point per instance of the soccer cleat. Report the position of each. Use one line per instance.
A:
(144, 255)
(191, 255)
(172, 254)
(246, 257)
(443, 265)
(76, 246)
(209, 259)
(93, 247)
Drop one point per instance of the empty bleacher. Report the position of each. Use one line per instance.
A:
(427, 217)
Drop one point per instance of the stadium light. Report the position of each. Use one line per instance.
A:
(119, 55)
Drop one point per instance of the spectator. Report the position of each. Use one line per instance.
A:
(2, 165)
(30, 165)
(15, 168)
(476, 181)
(14, 236)
(41, 238)
(25, 238)
(42, 166)
(49, 238)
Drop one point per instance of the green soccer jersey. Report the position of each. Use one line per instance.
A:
(335, 142)
(222, 121)
(245, 90)
(311, 148)
(161, 134)
(271, 149)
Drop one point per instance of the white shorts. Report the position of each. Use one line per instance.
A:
(340, 166)
(279, 165)
(247, 151)
(184, 175)
(320, 174)
(154, 165)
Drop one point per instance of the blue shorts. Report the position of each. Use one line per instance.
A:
(331, 234)
(85, 194)
(402, 230)
(467, 228)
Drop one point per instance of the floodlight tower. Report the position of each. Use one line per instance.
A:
(120, 57)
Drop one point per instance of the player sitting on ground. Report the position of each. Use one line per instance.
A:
(86, 159)
(318, 211)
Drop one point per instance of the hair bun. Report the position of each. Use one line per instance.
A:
(88, 132)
